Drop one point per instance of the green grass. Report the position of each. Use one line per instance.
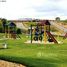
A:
(35, 55)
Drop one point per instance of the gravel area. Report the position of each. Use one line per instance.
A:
(9, 64)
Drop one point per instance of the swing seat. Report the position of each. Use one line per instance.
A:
(36, 38)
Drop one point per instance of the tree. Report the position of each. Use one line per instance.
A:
(4, 22)
(19, 31)
(57, 18)
(1, 27)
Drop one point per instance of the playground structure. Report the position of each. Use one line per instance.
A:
(42, 25)
(41, 32)
(10, 30)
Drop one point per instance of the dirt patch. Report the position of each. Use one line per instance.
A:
(9, 64)
(42, 42)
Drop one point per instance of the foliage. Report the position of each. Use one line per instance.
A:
(31, 23)
(57, 18)
(1, 27)
(2, 24)
(4, 21)
(19, 31)
(65, 21)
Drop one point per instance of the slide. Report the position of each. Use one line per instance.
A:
(52, 37)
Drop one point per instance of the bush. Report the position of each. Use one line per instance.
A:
(1, 30)
(19, 31)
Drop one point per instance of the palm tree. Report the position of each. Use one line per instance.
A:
(4, 22)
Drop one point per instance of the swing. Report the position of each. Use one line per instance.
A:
(36, 38)
(40, 38)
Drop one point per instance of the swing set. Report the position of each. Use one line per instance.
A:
(42, 32)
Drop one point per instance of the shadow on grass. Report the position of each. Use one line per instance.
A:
(4, 48)
(32, 62)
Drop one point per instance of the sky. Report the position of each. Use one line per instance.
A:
(40, 9)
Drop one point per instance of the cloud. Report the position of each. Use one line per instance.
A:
(52, 8)
(14, 9)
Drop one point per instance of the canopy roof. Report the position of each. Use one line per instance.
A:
(11, 24)
(46, 22)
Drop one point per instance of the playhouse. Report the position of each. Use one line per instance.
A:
(10, 30)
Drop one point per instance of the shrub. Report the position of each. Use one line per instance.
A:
(19, 31)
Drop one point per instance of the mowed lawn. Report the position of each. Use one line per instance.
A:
(35, 55)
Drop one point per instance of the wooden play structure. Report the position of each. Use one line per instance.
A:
(41, 32)
(10, 30)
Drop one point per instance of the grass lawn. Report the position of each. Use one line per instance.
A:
(35, 55)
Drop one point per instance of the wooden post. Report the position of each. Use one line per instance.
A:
(45, 35)
(31, 33)
(5, 32)
(9, 36)
(49, 31)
